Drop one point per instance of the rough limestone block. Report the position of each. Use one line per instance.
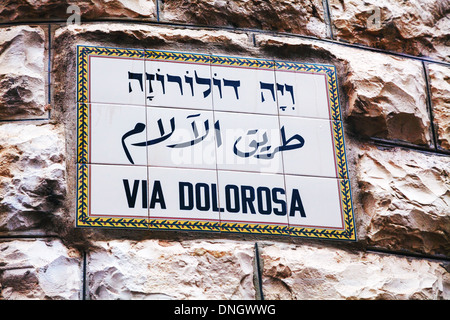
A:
(153, 269)
(26, 10)
(22, 73)
(143, 36)
(303, 17)
(383, 96)
(39, 270)
(440, 100)
(312, 272)
(387, 98)
(32, 176)
(404, 198)
(416, 27)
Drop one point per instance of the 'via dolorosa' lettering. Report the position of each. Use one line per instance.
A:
(204, 197)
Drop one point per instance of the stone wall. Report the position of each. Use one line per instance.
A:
(393, 62)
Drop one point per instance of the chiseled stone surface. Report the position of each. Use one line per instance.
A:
(35, 10)
(307, 272)
(405, 198)
(440, 100)
(22, 72)
(387, 98)
(153, 269)
(303, 17)
(33, 269)
(384, 96)
(416, 27)
(32, 176)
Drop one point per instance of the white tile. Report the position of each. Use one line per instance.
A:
(238, 89)
(308, 147)
(248, 142)
(302, 94)
(184, 194)
(178, 84)
(252, 198)
(113, 131)
(116, 80)
(180, 138)
(118, 191)
(314, 202)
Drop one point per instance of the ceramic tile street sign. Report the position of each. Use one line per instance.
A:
(195, 142)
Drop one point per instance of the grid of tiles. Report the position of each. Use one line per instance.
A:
(184, 141)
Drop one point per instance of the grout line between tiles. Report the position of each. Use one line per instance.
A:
(282, 158)
(146, 151)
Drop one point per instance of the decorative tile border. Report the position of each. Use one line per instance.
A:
(339, 145)
(242, 62)
(183, 225)
(83, 218)
(177, 56)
